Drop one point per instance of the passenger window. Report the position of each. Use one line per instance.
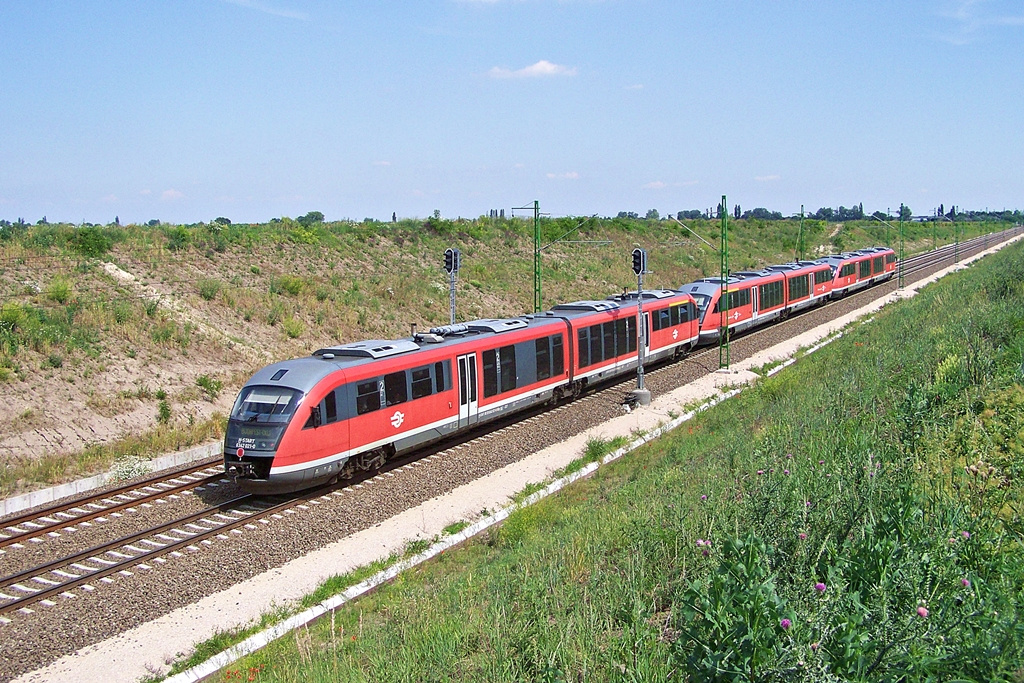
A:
(395, 389)
(557, 365)
(543, 349)
(583, 346)
(367, 397)
(608, 332)
(507, 366)
(490, 359)
(421, 383)
(439, 376)
(595, 344)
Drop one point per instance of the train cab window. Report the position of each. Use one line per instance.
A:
(330, 408)
(890, 258)
(422, 384)
(608, 333)
(876, 265)
(865, 268)
(395, 389)
(583, 346)
(367, 396)
(266, 404)
(507, 367)
(848, 270)
(543, 349)
(557, 362)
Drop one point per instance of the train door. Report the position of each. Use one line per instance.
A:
(468, 404)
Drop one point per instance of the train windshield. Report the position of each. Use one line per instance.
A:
(702, 302)
(266, 404)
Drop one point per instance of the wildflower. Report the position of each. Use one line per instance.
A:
(760, 471)
(820, 587)
(803, 536)
(704, 497)
(785, 624)
(952, 540)
(786, 472)
(789, 456)
(821, 462)
(807, 503)
(922, 611)
(814, 647)
(966, 534)
(966, 583)
(700, 542)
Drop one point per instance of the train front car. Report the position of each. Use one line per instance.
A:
(263, 428)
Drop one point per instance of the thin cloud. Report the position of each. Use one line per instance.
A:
(542, 69)
(571, 175)
(146, 192)
(267, 9)
(661, 185)
(970, 20)
(171, 195)
(635, 86)
(767, 178)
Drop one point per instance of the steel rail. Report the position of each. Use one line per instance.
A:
(7, 538)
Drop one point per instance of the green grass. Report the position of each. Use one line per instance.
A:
(16, 475)
(877, 469)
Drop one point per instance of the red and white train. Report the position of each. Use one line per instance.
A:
(349, 408)
(759, 297)
(303, 422)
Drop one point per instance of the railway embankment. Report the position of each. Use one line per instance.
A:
(853, 515)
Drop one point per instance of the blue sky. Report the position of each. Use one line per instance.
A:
(251, 109)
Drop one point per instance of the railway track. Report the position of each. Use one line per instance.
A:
(47, 521)
(59, 577)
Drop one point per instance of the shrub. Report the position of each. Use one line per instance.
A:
(208, 288)
(90, 241)
(293, 327)
(210, 386)
(59, 290)
(163, 415)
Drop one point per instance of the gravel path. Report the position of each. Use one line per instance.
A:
(33, 640)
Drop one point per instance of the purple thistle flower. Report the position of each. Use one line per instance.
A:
(704, 497)
(803, 536)
(785, 624)
(966, 583)
(760, 471)
(967, 534)
(922, 611)
(786, 472)
(820, 587)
